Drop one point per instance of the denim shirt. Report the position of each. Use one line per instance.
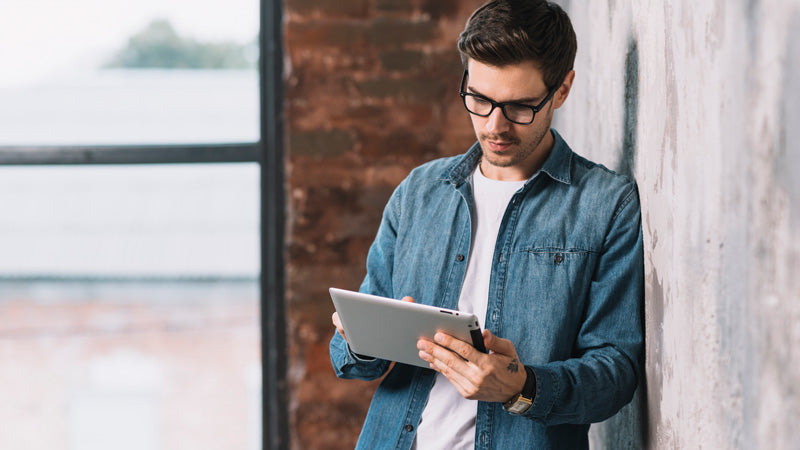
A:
(566, 288)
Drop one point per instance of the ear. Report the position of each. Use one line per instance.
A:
(563, 91)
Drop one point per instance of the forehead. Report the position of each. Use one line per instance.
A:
(503, 83)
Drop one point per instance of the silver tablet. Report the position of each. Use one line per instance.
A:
(384, 328)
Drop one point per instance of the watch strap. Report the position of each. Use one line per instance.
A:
(521, 402)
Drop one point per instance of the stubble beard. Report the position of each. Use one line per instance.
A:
(519, 151)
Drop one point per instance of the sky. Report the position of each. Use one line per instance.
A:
(44, 39)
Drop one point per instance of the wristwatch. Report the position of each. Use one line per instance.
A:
(520, 403)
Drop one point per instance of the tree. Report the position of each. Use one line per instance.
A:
(158, 45)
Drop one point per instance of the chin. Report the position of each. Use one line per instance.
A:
(500, 162)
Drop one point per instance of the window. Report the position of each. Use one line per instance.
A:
(88, 72)
(140, 244)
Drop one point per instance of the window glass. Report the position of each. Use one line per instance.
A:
(130, 305)
(104, 72)
(171, 220)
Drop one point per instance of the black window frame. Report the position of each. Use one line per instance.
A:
(268, 152)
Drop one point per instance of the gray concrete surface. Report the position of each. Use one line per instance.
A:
(700, 102)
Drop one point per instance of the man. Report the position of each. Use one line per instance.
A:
(542, 245)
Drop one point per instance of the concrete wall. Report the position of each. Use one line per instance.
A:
(700, 102)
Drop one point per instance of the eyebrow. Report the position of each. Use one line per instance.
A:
(520, 100)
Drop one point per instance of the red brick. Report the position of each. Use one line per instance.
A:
(403, 60)
(370, 94)
(329, 8)
(400, 32)
(402, 145)
(394, 6)
(407, 90)
(320, 142)
(341, 35)
(441, 8)
(370, 116)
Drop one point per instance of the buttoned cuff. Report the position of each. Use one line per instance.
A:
(347, 364)
(547, 389)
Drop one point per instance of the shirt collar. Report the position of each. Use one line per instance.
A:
(557, 166)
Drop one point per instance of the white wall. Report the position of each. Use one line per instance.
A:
(700, 102)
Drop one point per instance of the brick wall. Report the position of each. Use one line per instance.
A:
(371, 92)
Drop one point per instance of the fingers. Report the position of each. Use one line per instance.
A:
(448, 352)
(338, 324)
(459, 371)
(498, 344)
(464, 382)
(459, 347)
(478, 376)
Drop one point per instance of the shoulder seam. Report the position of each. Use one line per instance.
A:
(625, 201)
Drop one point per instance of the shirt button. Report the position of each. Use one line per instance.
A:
(558, 258)
(409, 428)
(459, 258)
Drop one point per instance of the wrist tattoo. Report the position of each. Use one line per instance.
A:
(513, 366)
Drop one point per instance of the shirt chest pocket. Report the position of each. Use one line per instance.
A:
(558, 268)
(545, 293)
(558, 257)
(557, 278)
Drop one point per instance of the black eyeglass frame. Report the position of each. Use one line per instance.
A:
(502, 105)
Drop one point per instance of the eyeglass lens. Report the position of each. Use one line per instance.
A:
(514, 113)
(483, 107)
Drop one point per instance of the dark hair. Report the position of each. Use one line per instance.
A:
(504, 32)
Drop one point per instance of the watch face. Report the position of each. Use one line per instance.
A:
(512, 402)
(520, 405)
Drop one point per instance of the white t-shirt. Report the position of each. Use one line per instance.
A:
(448, 420)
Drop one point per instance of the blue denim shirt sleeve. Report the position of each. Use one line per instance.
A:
(592, 386)
(347, 364)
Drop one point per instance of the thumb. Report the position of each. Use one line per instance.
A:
(408, 299)
(497, 344)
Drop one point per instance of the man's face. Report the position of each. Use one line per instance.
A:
(511, 151)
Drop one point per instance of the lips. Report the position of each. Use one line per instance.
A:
(499, 146)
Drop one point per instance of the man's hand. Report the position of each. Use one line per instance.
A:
(337, 322)
(493, 377)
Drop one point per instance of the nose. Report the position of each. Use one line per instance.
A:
(497, 123)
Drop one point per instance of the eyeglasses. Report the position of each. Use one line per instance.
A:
(515, 112)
